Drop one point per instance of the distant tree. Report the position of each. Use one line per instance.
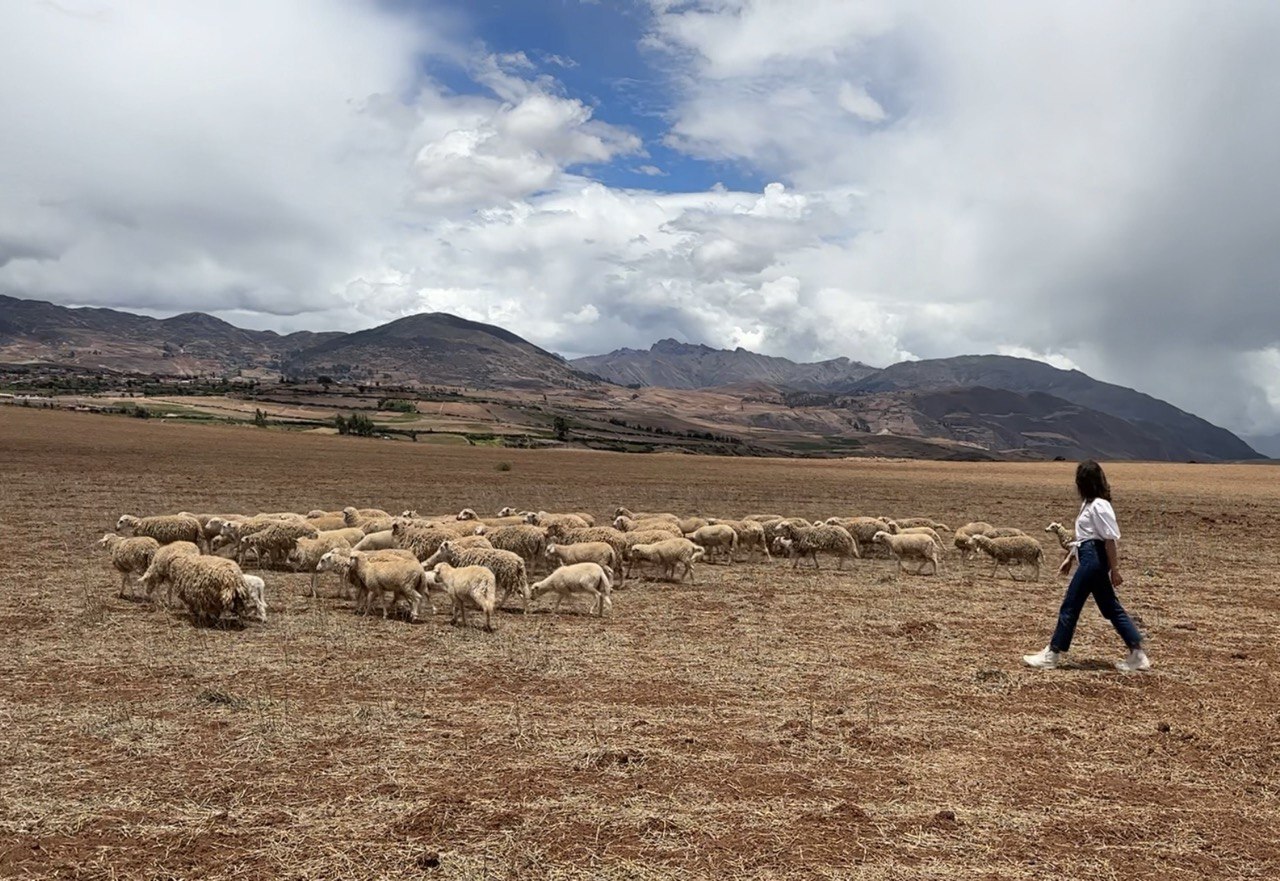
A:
(259, 418)
(561, 427)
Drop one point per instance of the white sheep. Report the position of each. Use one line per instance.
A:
(598, 552)
(466, 586)
(667, 554)
(751, 537)
(1065, 536)
(1009, 549)
(376, 541)
(376, 575)
(585, 577)
(528, 541)
(718, 540)
(129, 556)
(911, 546)
(863, 529)
(210, 586)
(164, 528)
(307, 553)
(508, 568)
(909, 522)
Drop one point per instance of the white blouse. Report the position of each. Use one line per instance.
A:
(1097, 520)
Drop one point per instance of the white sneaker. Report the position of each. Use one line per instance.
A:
(1137, 661)
(1045, 659)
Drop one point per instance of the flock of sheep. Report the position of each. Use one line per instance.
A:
(478, 563)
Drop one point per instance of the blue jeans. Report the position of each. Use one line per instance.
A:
(1093, 577)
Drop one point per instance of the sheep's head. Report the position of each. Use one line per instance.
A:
(410, 514)
(698, 554)
(507, 512)
(432, 575)
(335, 560)
(1055, 527)
(881, 537)
(107, 540)
(550, 551)
(253, 605)
(480, 530)
(621, 512)
(311, 515)
(894, 528)
(981, 542)
(620, 524)
(786, 529)
(398, 526)
(467, 514)
(126, 521)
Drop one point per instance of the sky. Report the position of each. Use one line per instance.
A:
(1093, 184)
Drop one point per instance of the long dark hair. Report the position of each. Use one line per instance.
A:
(1091, 483)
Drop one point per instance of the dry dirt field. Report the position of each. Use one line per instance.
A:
(765, 723)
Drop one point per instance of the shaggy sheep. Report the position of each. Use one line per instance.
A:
(1010, 549)
(644, 515)
(507, 568)
(359, 516)
(863, 529)
(164, 529)
(617, 540)
(525, 540)
(471, 541)
(912, 546)
(626, 524)
(668, 553)
(585, 577)
(156, 573)
(129, 556)
(376, 575)
(274, 543)
(719, 540)
(473, 586)
(773, 528)
(422, 540)
(211, 586)
(909, 522)
(306, 554)
(551, 522)
(809, 541)
(328, 522)
(213, 526)
(967, 532)
(598, 552)
(297, 528)
(375, 541)
(751, 536)
(339, 560)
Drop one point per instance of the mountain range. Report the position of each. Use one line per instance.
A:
(993, 403)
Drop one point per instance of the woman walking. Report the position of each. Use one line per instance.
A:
(1099, 574)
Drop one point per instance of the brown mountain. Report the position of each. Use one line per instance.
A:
(440, 349)
(671, 364)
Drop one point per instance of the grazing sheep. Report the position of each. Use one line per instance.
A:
(668, 553)
(762, 518)
(617, 540)
(508, 512)
(896, 529)
(809, 541)
(422, 540)
(645, 515)
(750, 535)
(295, 528)
(773, 528)
(691, 524)
(353, 516)
(274, 543)
(912, 546)
(213, 526)
(352, 534)
(967, 532)
(467, 514)
(1009, 549)
(376, 575)
(305, 555)
(471, 541)
(156, 573)
(718, 540)
(552, 522)
(585, 577)
(339, 560)
(473, 586)
(164, 529)
(376, 541)
(525, 540)
(507, 568)
(328, 522)
(1065, 536)
(598, 552)
(211, 586)
(129, 556)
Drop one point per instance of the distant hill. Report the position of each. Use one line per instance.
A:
(438, 348)
(1200, 439)
(672, 364)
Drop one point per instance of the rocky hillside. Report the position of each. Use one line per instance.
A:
(672, 364)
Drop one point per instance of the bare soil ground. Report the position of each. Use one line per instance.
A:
(764, 723)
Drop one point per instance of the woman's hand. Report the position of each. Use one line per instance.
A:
(1116, 578)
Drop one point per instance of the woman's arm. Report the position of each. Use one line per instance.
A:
(1113, 562)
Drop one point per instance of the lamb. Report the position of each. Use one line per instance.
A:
(164, 529)
(1065, 536)
(306, 554)
(297, 528)
(129, 556)
(773, 528)
(911, 546)
(526, 540)
(210, 586)
(896, 529)
(473, 586)
(585, 577)
(376, 541)
(376, 575)
(720, 539)
(508, 569)
(1010, 549)
(809, 541)
(750, 535)
(155, 574)
(668, 554)
(598, 552)
(213, 526)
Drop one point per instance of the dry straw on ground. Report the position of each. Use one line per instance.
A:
(766, 723)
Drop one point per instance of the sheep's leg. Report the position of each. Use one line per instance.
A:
(555, 608)
(314, 576)
(488, 621)
(124, 581)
